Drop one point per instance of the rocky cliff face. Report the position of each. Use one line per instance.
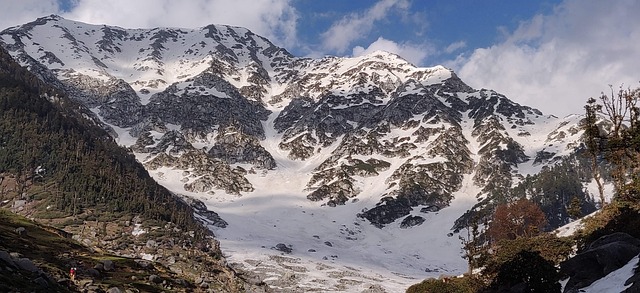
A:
(198, 100)
(344, 145)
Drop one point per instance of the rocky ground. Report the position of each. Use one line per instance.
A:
(118, 256)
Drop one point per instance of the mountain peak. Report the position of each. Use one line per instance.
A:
(218, 112)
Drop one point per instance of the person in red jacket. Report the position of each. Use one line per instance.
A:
(72, 273)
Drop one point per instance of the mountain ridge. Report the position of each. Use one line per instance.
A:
(222, 115)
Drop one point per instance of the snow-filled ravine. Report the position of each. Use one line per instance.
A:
(331, 248)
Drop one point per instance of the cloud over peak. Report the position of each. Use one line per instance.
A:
(556, 62)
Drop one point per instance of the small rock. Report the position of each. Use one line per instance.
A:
(311, 250)
(155, 279)
(181, 282)
(85, 282)
(108, 265)
(284, 248)
(93, 273)
(21, 231)
(327, 243)
(151, 243)
(143, 263)
(114, 290)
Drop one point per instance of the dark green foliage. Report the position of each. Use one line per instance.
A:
(554, 188)
(89, 170)
(550, 247)
(465, 284)
(575, 208)
(527, 271)
(615, 217)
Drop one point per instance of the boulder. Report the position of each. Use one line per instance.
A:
(42, 282)
(114, 290)
(603, 256)
(411, 221)
(93, 273)
(26, 264)
(284, 248)
(6, 257)
(108, 265)
(155, 279)
(21, 231)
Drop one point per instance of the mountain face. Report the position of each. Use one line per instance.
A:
(358, 150)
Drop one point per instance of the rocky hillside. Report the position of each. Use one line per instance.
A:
(221, 114)
(106, 216)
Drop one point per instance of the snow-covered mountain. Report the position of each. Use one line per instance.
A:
(344, 174)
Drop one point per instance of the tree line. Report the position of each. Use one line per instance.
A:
(40, 129)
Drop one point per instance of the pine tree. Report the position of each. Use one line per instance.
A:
(575, 208)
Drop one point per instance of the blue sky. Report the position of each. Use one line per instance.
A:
(549, 54)
(459, 26)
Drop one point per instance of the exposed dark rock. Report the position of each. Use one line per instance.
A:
(232, 146)
(108, 265)
(155, 279)
(429, 209)
(21, 231)
(42, 282)
(93, 273)
(603, 256)
(210, 217)
(543, 156)
(327, 243)
(411, 221)
(284, 248)
(6, 257)
(26, 264)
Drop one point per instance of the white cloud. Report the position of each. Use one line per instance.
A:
(413, 53)
(340, 36)
(15, 12)
(455, 47)
(555, 62)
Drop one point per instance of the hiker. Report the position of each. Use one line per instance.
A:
(72, 273)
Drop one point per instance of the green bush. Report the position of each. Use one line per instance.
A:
(528, 272)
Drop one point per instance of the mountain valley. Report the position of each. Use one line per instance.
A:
(335, 174)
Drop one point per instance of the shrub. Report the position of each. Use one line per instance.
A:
(527, 272)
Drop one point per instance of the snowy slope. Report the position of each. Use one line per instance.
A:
(208, 111)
